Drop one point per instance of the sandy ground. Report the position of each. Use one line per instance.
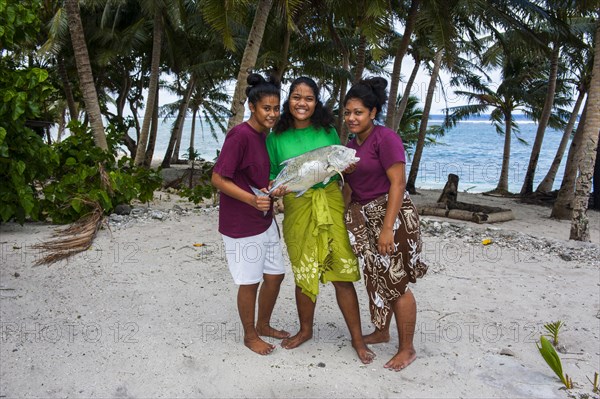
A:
(145, 313)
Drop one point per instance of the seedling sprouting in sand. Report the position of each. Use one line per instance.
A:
(551, 357)
(595, 389)
(553, 329)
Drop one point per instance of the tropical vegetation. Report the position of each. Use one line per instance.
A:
(99, 66)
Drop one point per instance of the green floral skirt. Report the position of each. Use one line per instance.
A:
(316, 239)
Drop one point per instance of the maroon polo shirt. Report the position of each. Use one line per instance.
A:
(243, 159)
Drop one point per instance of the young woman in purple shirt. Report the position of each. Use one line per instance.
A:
(382, 222)
(246, 223)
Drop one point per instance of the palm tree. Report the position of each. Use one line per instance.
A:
(582, 59)
(563, 206)
(414, 167)
(172, 152)
(546, 184)
(248, 61)
(555, 32)
(504, 101)
(408, 126)
(411, 18)
(403, 103)
(596, 188)
(209, 102)
(542, 123)
(86, 78)
(56, 30)
(157, 32)
(579, 222)
(579, 58)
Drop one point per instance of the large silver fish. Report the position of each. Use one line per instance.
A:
(317, 166)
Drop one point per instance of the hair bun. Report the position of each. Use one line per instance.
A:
(377, 83)
(254, 79)
(274, 81)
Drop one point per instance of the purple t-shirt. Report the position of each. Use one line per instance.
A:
(382, 148)
(243, 159)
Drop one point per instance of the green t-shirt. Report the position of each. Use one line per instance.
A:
(294, 142)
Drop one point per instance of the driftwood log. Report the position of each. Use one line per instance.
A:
(449, 206)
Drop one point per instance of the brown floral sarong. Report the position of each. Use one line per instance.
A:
(386, 276)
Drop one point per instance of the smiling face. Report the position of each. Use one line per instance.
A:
(265, 113)
(358, 118)
(302, 105)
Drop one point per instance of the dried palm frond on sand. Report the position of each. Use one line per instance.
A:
(76, 238)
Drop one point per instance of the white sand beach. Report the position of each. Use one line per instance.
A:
(146, 313)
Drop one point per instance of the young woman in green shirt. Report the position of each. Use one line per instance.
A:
(313, 224)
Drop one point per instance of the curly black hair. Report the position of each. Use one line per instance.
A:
(322, 117)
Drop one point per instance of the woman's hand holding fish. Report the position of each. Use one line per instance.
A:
(279, 192)
(262, 203)
(351, 168)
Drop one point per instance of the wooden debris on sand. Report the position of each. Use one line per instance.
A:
(448, 206)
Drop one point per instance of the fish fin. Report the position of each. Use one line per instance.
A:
(290, 160)
(258, 193)
(342, 176)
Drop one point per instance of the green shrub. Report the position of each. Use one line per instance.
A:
(87, 175)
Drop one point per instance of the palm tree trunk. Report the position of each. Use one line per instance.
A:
(175, 158)
(546, 185)
(248, 61)
(580, 229)
(395, 78)
(341, 129)
(84, 70)
(193, 132)
(335, 92)
(545, 117)
(414, 167)
(170, 154)
(361, 52)
(404, 101)
(122, 95)
(152, 137)
(140, 154)
(61, 125)
(563, 206)
(283, 61)
(502, 187)
(344, 82)
(596, 188)
(64, 77)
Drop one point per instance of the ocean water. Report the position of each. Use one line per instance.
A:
(472, 150)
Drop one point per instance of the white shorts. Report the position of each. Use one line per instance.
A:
(251, 257)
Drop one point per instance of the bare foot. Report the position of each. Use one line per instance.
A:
(296, 340)
(259, 346)
(268, 331)
(365, 354)
(377, 337)
(401, 360)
